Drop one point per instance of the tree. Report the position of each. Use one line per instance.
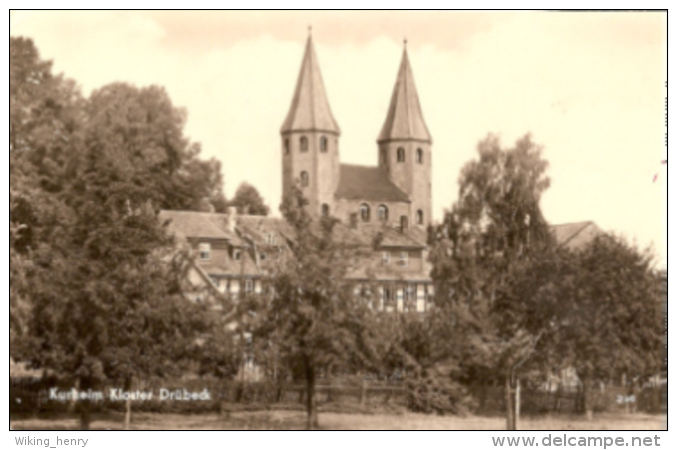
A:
(247, 200)
(96, 287)
(604, 313)
(492, 233)
(45, 132)
(314, 318)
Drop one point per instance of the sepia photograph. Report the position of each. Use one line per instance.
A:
(338, 220)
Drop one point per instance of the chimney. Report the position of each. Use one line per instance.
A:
(353, 220)
(231, 217)
(404, 224)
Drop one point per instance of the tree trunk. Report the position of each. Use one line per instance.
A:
(84, 406)
(311, 407)
(517, 404)
(586, 401)
(510, 411)
(128, 403)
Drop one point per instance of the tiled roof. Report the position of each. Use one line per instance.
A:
(392, 237)
(405, 118)
(575, 235)
(310, 107)
(195, 224)
(367, 183)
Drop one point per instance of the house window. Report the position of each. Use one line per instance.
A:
(364, 212)
(237, 254)
(304, 179)
(205, 251)
(404, 223)
(383, 213)
(286, 146)
(304, 144)
(324, 144)
(419, 156)
(249, 286)
(262, 256)
(325, 210)
(270, 239)
(404, 259)
(385, 258)
(419, 217)
(400, 154)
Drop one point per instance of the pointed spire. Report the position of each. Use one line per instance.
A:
(310, 109)
(404, 119)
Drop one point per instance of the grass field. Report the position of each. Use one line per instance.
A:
(295, 420)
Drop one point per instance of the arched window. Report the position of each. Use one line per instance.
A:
(404, 223)
(324, 144)
(364, 212)
(419, 156)
(286, 146)
(383, 213)
(325, 210)
(400, 154)
(304, 144)
(419, 217)
(304, 179)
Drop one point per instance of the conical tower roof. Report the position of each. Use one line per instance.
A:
(310, 109)
(404, 119)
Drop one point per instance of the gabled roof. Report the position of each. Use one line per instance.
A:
(195, 224)
(390, 237)
(367, 183)
(310, 109)
(575, 236)
(405, 118)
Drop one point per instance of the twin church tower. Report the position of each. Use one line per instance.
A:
(396, 193)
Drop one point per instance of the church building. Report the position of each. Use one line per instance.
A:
(395, 193)
(385, 209)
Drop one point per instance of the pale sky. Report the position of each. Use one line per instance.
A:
(589, 87)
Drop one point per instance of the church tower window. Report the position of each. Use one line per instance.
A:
(304, 144)
(305, 181)
(364, 212)
(419, 217)
(400, 154)
(324, 144)
(419, 156)
(383, 213)
(325, 210)
(286, 146)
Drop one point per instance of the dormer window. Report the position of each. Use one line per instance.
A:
(400, 154)
(237, 254)
(324, 144)
(404, 259)
(205, 250)
(304, 144)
